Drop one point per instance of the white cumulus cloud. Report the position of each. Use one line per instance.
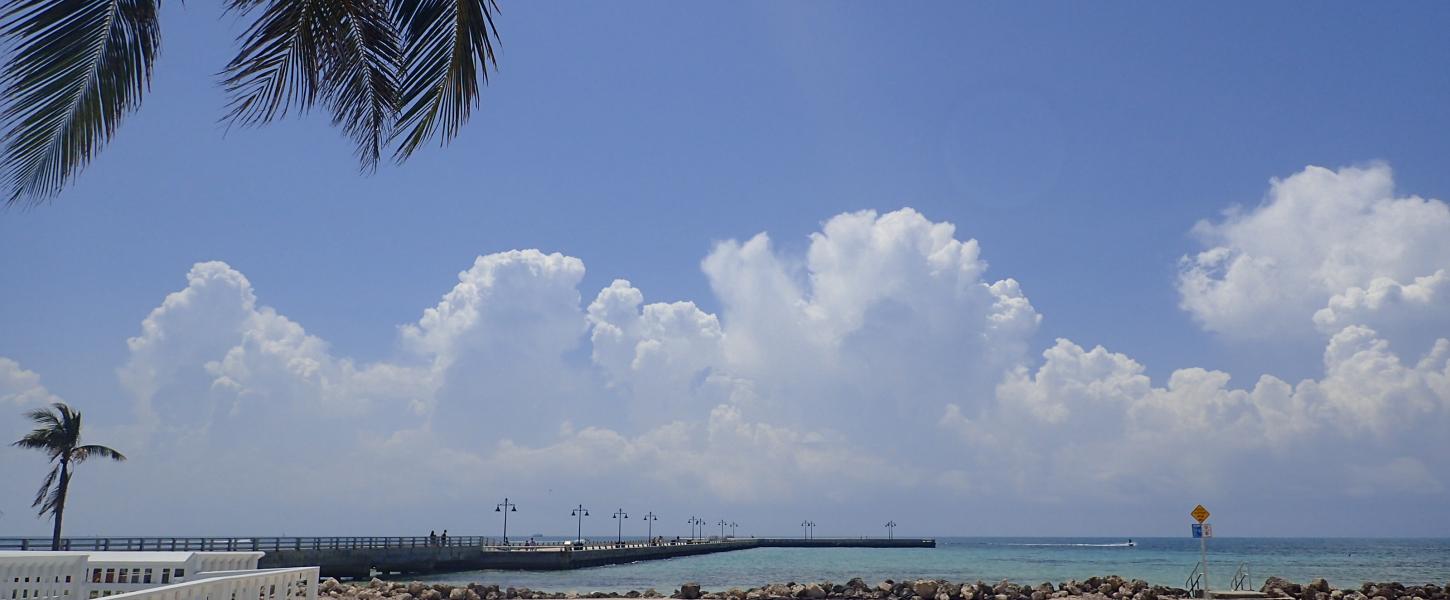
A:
(880, 363)
(1321, 239)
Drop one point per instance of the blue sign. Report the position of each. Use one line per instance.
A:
(1198, 530)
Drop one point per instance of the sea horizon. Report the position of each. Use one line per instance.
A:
(1343, 561)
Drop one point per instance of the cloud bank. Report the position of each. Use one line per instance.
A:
(880, 365)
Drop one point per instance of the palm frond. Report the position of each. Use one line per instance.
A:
(450, 47)
(70, 423)
(79, 455)
(278, 63)
(361, 77)
(45, 488)
(45, 417)
(51, 435)
(344, 53)
(76, 67)
(52, 500)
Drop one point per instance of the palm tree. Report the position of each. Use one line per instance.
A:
(59, 435)
(390, 72)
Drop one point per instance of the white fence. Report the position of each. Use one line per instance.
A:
(111, 573)
(89, 575)
(43, 576)
(297, 583)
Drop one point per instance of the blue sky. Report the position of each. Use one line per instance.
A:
(1077, 144)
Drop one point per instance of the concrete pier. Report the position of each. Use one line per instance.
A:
(362, 563)
(361, 557)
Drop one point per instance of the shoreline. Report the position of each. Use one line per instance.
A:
(1111, 587)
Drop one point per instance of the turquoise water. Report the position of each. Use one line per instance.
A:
(1166, 561)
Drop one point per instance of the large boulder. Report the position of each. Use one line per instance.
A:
(924, 588)
(1279, 587)
(689, 591)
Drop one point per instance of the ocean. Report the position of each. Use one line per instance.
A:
(1165, 561)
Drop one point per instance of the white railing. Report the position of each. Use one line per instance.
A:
(52, 576)
(111, 573)
(87, 575)
(297, 583)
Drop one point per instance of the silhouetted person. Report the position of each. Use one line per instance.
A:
(443, 539)
(432, 537)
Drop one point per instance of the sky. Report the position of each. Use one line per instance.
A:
(981, 269)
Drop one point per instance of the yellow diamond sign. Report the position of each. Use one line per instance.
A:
(1199, 513)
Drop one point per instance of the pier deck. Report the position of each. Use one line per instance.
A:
(360, 557)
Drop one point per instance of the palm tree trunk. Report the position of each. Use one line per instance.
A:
(59, 513)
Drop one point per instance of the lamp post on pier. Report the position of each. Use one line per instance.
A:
(890, 530)
(579, 514)
(733, 525)
(649, 519)
(693, 522)
(723, 523)
(506, 507)
(619, 526)
(809, 527)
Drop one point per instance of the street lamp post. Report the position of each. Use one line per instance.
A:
(579, 514)
(733, 525)
(506, 507)
(649, 519)
(890, 530)
(619, 529)
(723, 523)
(808, 529)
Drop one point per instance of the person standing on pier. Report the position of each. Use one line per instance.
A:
(433, 537)
(443, 540)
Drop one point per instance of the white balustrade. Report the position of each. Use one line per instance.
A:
(87, 575)
(41, 575)
(297, 583)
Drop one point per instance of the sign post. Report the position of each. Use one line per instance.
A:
(1202, 531)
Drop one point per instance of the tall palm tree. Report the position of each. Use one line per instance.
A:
(58, 434)
(390, 72)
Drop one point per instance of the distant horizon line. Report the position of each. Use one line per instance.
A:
(796, 536)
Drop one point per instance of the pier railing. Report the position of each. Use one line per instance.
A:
(595, 545)
(238, 544)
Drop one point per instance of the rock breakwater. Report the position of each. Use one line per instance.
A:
(1111, 587)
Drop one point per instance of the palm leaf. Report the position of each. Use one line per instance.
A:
(76, 68)
(50, 435)
(450, 46)
(344, 53)
(52, 500)
(45, 489)
(79, 455)
(277, 65)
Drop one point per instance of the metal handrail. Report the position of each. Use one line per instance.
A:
(1194, 583)
(1241, 577)
(236, 544)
